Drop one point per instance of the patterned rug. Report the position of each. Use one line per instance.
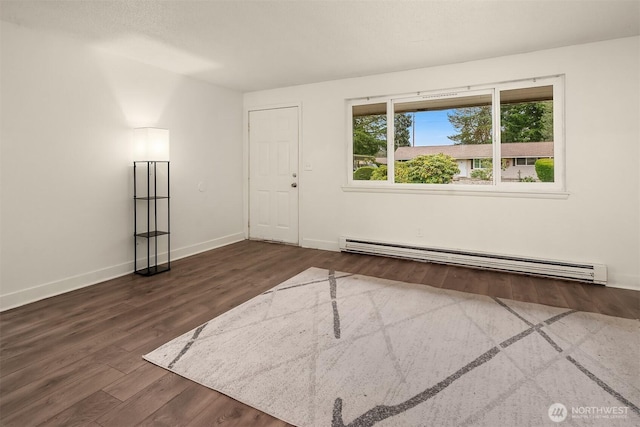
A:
(327, 348)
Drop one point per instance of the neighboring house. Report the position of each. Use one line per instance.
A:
(519, 157)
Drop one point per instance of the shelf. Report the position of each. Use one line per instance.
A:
(151, 198)
(154, 269)
(146, 216)
(149, 234)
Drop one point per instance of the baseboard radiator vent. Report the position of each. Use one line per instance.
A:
(583, 272)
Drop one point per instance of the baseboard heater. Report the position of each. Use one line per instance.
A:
(583, 272)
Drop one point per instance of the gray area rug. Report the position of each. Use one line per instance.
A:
(327, 348)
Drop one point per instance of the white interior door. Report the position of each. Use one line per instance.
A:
(273, 175)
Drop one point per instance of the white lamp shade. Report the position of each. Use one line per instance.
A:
(151, 144)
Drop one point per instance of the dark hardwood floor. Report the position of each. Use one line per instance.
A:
(75, 359)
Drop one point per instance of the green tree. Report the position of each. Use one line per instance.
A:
(369, 134)
(473, 125)
(522, 122)
(547, 122)
(527, 122)
(402, 122)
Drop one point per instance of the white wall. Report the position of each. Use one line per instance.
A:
(598, 222)
(67, 114)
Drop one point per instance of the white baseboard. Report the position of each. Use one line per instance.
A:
(326, 245)
(47, 290)
(206, 246)
(624, 281)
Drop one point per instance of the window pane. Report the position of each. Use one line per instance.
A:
(445, 135)
(526, 131)
(369, 141)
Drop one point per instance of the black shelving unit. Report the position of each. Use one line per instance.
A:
(151, 212)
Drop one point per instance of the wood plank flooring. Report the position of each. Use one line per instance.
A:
(75, 359)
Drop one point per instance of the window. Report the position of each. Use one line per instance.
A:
(526, 129)
(369, 139)
(500, 137)
(482, 163)
(525, 161)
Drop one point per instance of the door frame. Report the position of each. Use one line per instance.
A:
(247, 158)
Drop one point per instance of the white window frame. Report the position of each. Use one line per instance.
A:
(368, 101)
(558, 136)
(554, 189)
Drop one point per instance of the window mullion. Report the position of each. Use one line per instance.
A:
(497, 138)
(350, 152)
(390, 144)
(559, 134)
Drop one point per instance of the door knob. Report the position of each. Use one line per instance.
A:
(294, 184)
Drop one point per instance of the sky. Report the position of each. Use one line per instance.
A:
(432, 128)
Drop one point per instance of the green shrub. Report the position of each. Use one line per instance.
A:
(401, 172)
(483, 174)
(364, 173)
(379, 174)
(434, 169)
(544, 170)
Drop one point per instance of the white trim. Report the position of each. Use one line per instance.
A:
(459, 190)
(68, 284)
(245, 155)
(246, 161)
(273, 106)
(325, 245)
(349, 136)
(452, 91)
(497, 139)
(615, 283)
(559, 118)
(391, 143)
(57, 287)
(188, 251)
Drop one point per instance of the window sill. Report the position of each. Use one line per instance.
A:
(458, 191)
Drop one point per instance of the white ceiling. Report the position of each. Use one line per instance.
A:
(253, 45)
